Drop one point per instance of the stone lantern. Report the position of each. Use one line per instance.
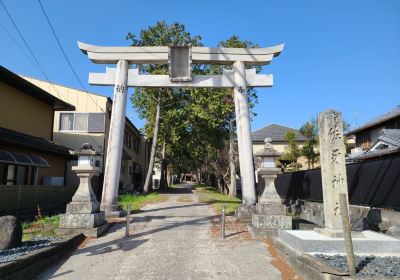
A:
(268, 171)
(82, 214)
(269, 215)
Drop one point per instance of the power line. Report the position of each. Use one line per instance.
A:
(70, 66)
(17, 44)
(28, 47)
(65, 55)
(37, 64)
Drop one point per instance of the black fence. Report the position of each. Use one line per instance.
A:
(373, 183)
(24, 200)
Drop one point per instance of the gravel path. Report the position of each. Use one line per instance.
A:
(366, 265)
(28, 247)
(169, 240)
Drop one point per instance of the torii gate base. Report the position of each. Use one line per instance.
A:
(122, 77)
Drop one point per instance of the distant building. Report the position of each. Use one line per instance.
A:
(90, 123)
(367, 134)
(28, 155)
(387, 144)
(277, 133)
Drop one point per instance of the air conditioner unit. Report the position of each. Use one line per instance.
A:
(53, 181)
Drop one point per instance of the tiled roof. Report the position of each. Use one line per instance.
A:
(14, 138)
(391, 136)
(387, 116)
(372, 154)
(276, 133)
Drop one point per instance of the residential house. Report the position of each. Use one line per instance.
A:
(377, 138)
(90, 123)
(277, 133)
(387, 144)
(28, 153)
(367, 134)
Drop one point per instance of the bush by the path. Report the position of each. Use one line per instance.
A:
(42, 226)
(138, 201)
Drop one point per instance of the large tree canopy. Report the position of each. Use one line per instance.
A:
(194, 123)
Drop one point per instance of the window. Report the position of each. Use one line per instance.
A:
(129, 141)
(11, 174)
(135, 145)
(89, 122)
(16, 175)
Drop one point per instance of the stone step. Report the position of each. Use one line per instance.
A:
(270, 209)
(72, 220)
(271, 221)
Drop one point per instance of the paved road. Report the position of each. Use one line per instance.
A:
(169, 240)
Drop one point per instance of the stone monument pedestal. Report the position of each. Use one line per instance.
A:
(82, 213)
(334, 233)
(310, 241)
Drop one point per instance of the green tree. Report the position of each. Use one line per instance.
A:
(195, 124)
(310, 131)
(165, 104)
(292, 152)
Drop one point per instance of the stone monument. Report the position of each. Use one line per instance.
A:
(82, 214)
(329, 240)
(333, 170)
(269, 215)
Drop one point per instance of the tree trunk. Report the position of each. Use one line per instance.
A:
(147, 184)
(232, 167)
(163, 178)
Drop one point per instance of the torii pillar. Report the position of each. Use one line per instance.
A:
(243, 132)
(109, 198)
(179, 59)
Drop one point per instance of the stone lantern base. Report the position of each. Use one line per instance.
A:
(269, 215)
(82, 213)
(268, 219)
(83, 217)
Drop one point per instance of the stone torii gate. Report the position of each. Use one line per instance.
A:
(179, 59)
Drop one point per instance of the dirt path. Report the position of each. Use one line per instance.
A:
(176, 240)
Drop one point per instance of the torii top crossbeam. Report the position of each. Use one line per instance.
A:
(197, 55)
(200, 55)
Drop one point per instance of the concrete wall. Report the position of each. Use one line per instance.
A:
(362, 218)
(23, 113)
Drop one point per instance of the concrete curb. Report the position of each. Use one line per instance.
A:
(312, 268)
(28, 266)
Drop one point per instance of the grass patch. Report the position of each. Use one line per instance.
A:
(138, 201)
(43, 226)
(184, 198)
(217, 200)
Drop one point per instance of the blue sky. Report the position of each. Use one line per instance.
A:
(338, 54)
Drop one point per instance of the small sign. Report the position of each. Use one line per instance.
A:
(180, 63)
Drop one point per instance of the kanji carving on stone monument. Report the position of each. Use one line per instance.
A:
(333, 166)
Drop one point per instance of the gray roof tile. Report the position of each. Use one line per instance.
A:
(276, 133)
(382, 118)
(391, 136)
